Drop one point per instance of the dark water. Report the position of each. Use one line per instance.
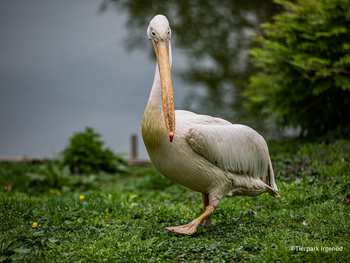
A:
(215, 36)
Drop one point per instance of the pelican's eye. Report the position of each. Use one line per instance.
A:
(168, 33)
(153, 33)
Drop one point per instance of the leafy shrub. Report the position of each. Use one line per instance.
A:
(86, 154)
(303, 59)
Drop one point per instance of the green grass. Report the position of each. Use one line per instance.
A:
(122, 217)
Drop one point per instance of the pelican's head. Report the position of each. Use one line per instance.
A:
(159, 33)
(159, 29)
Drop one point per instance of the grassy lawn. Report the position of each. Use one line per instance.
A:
(50, 215)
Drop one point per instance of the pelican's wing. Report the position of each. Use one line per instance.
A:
(234, 148)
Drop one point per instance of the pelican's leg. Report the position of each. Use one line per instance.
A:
(210, 203)
(205, 198)
(191, 228)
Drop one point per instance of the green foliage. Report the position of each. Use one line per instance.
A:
(48, 178)
(85, 154)
(123, 219)
(304, 67)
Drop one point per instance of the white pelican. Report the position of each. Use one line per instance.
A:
(206, 154)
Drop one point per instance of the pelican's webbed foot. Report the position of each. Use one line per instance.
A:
(191, 228)
(188, 229)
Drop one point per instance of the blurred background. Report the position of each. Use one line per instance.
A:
(67, 65)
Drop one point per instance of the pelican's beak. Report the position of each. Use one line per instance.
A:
(162, 52)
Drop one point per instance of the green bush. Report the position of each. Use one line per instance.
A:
(85, 154)
(303, 61)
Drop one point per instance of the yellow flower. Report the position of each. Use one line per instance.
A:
(35, 224)
(81, 197)
(52, 191)
(245, 218)
(58, 192)
(5, 187)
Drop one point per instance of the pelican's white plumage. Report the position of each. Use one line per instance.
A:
(209, 155)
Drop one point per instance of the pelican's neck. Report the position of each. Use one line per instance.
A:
(153, 126)
(155, 98)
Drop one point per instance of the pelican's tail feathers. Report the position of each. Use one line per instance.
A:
(272, 192)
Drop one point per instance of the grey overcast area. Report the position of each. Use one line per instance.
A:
(65, 66)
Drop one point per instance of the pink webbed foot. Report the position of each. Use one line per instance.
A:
(188, 229)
